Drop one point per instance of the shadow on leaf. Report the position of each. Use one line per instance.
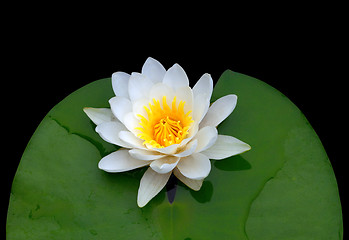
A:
(204, 194)
(236, 163)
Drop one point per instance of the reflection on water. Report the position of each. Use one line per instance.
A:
(171, 188)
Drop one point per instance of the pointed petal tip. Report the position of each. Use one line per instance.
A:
(150, 59)
(86, 110)
(248, 147)
(208, 76)
(151, 184)
(175, 67)
(219, 110)
(226, 146)
(234, 97)
(104, 166)
(198, 188)
(191, 183)
(101, 167)
(98, 115)
(245, 148)
(175, 77)
(141, 203)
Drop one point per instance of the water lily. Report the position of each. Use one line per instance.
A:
(160, 122)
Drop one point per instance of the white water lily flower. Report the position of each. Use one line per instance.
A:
(160, 122)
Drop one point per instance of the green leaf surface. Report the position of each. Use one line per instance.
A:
(283, 188)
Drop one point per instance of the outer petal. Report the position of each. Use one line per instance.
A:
(176, 77)
(139, 86)
(151, 184)
(99, 115)
(226, 146)
(193, 184)
(206, 137)
(131, 139)
(196, 166)
(203, 86)
(120, 106)
(120, 161)
(145, 155)
(119, 82)
(219, 111)
(164, 165)
(109, 131)
(153, 70)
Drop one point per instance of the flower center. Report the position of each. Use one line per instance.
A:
(168, 131)
(164, 125)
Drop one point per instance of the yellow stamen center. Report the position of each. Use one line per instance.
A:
(164, 125)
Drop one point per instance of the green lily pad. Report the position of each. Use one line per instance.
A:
(283, 188)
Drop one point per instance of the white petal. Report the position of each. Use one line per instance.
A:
(120, 106)
(151, 184)
(131, 139)
(131, 123)
(203, 86)
(192, 132)
(196, 166)
(138, 107)
(159, 90)
(120, 161)
(164, 165)
(188, 150)
(99, 115)
(226, 146)
(185, 94)
(200, 107)
(219, 111)
(145, 155)
(139, 86)
(119, 82)
(193, 184)
(206, 137)
(109, 132)
(166, 150)
(176, 77)
(153, 70)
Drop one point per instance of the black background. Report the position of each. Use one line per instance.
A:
(47, 62)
